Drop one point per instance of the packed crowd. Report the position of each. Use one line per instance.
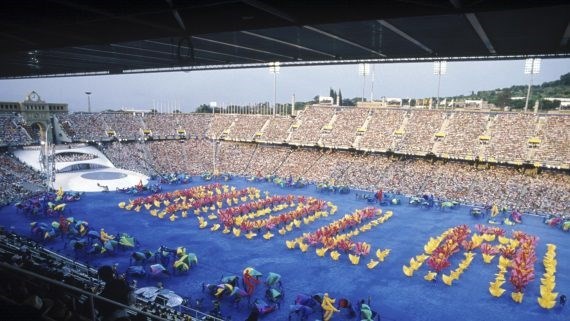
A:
(125, 125)
(81, 127)
(346, 124)
(403, 131)
(277, 130)
(553, 133)
(462, 134)
(193, 156)
(310, 125)
(548, 192)
(12, 133)
(73, 157)
(16, 179)
(130, 155)
(220, 126)
(509, 136)
(234, 157)
(418, 137)
(380, 130)
(245, 127)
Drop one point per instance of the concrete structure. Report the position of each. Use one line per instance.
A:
(36, 113)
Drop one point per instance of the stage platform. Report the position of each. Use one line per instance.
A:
(96, 180)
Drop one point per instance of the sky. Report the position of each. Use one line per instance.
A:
(187, 90)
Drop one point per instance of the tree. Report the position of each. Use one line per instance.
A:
(339, 97)
(548, 104)
(349, 102)
(204, 108)
(503, 98)
(333, 95)
(565, 79)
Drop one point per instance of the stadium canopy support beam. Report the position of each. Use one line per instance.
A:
(205, 51)
(472, 18)
(161, 52)
(565, 36)
(243, 47)
(300, 63)
(480, 32)
(352, 43)
(130, 19)
(113, 53)
(253, 34)
(285, 16)
(404, 35)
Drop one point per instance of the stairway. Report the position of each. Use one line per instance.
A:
(226, 132)
(265, 125)
(437, 143)
(482, 147)
(402, 127)
(538, 132)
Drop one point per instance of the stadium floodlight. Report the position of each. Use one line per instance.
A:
(88, 93)
(274, 68)
(531, 67)
(363, 70)
(439, 68)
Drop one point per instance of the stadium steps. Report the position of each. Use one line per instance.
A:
(403, 127)
(438, 143)
(538, 132)
(228, 131)
(265, 125)
(291, 132)
(143, 124)
(482, 152)
(358, 138)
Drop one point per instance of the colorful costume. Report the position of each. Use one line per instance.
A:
(328, 307)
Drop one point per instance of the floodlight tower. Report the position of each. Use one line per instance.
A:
(531, 66)
(274, 68)
(363, 70)
(439, 68)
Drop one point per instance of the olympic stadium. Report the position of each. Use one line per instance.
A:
(379, 211)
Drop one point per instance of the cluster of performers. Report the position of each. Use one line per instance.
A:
(558, 221)
(283, 182)
(216, 176)
(498, 215)
(332, 187)
(172, 178)
(164, 261)
(47, 203)
(80, 237)
(140, 188)
(235, 290)
(305, 306)
(380, 197)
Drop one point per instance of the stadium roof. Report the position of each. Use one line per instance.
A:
(64, 37)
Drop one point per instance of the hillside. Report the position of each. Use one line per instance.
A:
(502, 96)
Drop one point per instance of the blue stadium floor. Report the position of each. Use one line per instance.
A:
(392, 294)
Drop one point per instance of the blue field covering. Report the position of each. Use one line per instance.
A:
(391, 293)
